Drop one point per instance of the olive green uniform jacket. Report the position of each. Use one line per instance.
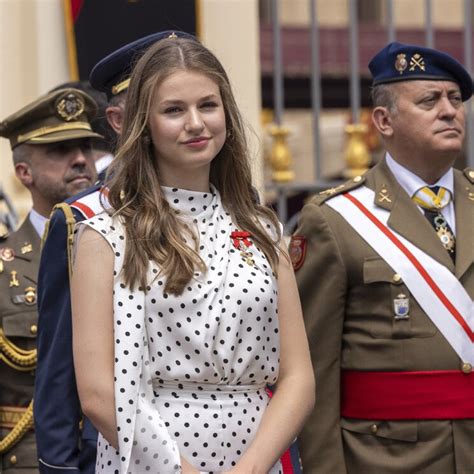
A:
(18, 319)
(347, 294)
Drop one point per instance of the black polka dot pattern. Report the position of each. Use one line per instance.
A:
(191, 370)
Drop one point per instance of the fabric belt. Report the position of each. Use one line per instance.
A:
(10, 416)
(203, 388)
(436, 395)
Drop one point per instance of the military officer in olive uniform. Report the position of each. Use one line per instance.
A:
(385, 269)
(50, 140)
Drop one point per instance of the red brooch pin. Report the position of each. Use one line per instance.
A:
(240, 240)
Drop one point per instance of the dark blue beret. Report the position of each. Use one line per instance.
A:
(111, 74)
(405, 62)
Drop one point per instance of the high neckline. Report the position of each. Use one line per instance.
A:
(193, 203)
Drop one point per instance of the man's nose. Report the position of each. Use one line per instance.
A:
(447, 108)
(80, 156)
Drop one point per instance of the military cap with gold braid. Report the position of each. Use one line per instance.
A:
(55, 117)
(112, 73)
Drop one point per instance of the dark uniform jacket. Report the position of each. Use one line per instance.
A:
(347, 293)
(66, 440)
(19, 261)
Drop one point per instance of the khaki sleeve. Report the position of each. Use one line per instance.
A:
(322, 287)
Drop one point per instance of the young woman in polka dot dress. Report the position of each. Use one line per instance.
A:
(185, 307)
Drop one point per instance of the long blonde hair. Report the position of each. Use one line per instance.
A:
(153, 231)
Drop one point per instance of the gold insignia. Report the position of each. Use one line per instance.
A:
(70, 107)
(30, 295)
(417, 61)
(331, 191)
(7, 254)
(401, 63)
(173, 35)
(384, 196)
(13, 279)
(27, 248)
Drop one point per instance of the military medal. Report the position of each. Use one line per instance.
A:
(240, 240)
(444, 233)
(401, 307)
(13, 279)
(27, 248)
(7, 254)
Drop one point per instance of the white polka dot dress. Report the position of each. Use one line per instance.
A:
(191, 370)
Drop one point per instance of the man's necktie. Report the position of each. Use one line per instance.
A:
(432, 200)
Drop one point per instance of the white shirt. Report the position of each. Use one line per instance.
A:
(412, 183)
(38, 222)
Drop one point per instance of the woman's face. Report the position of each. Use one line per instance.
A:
(187, 125)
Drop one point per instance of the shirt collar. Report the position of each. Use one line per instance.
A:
(38, 222)
(411, 183)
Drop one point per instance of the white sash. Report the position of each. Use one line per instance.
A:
(435, 288)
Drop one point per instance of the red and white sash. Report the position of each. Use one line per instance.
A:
(92, 204)
(435, 288)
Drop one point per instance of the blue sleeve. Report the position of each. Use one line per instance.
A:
(56, 402)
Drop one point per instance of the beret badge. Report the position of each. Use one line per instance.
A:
(417, 61)
(401, 63)
(70, 107)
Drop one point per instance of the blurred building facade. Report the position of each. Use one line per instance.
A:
(34, 58)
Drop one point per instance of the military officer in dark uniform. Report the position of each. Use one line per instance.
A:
(385, 270)
(50, 140)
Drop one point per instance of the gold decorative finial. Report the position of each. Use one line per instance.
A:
(357, 155)
(280, 155)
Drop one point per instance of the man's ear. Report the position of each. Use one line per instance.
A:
(383, 121)
(114, 116)
(24, 173)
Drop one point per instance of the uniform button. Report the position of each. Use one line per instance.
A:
(13, 459)
(34, 329)
(396, 278)
(466, 368)
(471, 174)
(374, 428)
(357, 179)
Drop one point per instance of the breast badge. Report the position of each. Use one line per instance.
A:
(401, 307)
(297, 251)
(27, 248)
(7, 254)
(13, 279)
(30, 295)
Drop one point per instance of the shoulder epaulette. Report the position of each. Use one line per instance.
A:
(327, 194)
(92, 203)
(469, 173)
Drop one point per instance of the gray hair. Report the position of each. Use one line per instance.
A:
(384, 95)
